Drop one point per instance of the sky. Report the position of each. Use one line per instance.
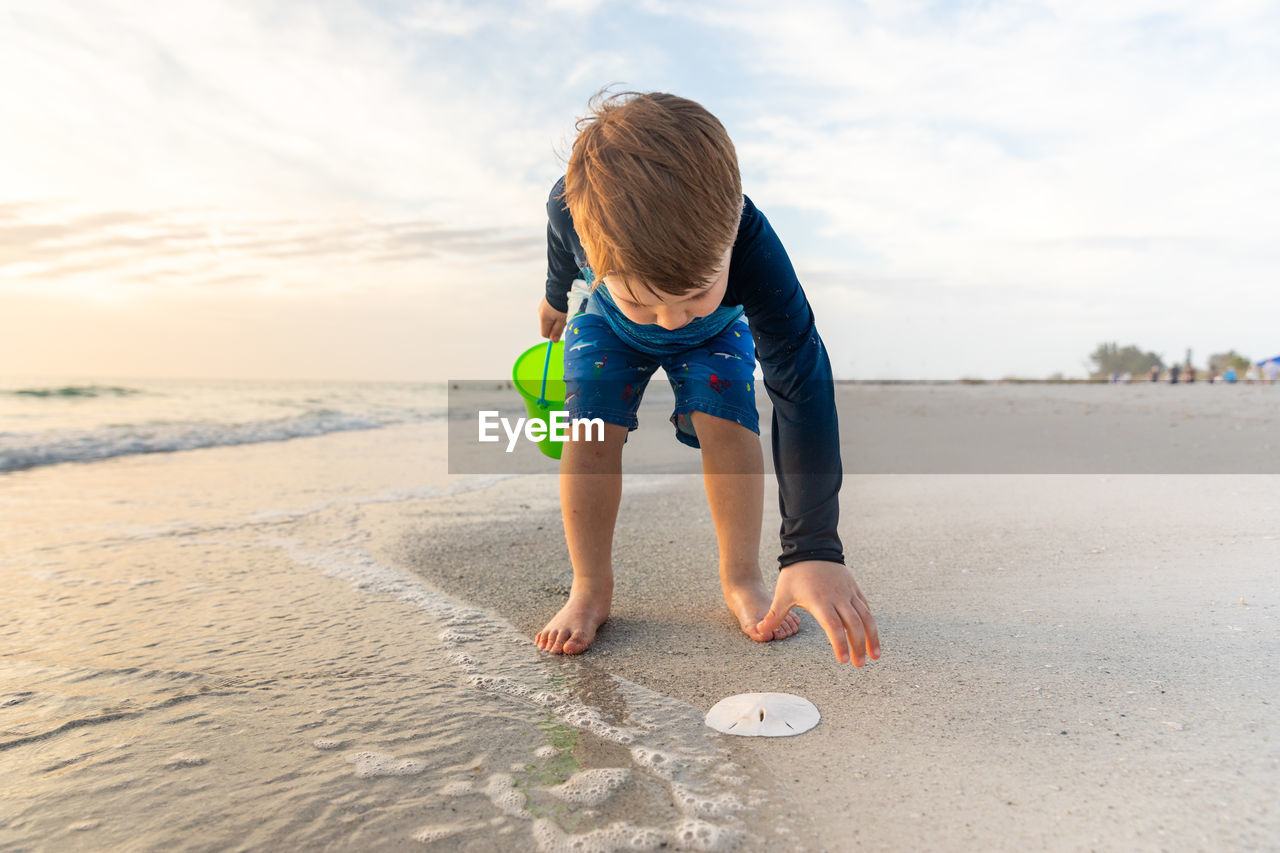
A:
(357, 190)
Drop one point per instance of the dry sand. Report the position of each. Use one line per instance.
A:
(1070, 661)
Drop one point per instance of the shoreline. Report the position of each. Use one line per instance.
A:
(207, 653)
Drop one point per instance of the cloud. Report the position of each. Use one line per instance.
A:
(450, 17)
(284, 108)
(179, 247)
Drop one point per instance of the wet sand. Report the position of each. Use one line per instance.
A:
(200, 651)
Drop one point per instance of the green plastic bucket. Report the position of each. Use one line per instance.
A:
(538, 375)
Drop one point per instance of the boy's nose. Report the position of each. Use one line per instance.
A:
(673, 320)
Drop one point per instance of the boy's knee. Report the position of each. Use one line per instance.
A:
(591, 441)
(711, 428)
(615, 434)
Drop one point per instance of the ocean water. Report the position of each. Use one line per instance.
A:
(200, 648)
(45, 422)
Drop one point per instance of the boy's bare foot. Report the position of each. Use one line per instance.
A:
(572, 630)
(749, 601)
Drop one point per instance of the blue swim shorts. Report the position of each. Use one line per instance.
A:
(605, 377)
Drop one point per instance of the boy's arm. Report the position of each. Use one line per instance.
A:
(562, 266)
(797, 377)
(806, 445)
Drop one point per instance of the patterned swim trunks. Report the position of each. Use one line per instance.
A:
(605, 377)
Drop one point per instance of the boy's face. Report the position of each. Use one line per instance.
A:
(668, 310)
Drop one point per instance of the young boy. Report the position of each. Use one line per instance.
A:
(651, 213)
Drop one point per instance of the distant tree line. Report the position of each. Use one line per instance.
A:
(1219, 362)
(1111, 359)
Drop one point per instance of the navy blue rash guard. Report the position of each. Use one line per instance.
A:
(797, 372)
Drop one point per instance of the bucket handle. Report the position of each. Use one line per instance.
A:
(546, 365)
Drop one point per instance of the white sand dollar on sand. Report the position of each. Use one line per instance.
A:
(763, 715)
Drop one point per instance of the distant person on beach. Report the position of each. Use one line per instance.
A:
(1155, 373)
(1174, 371)
(687, 274)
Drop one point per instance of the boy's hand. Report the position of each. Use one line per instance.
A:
(550, 321)
(829, 592)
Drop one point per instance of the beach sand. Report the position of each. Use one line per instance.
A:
(327, 642)
(1071, 661)
(1067, 662)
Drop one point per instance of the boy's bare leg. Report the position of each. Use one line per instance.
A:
(733, 472)
(590, 491)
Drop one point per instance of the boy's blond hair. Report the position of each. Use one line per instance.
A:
(654, 190)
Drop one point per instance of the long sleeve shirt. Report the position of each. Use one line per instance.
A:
(797, 371)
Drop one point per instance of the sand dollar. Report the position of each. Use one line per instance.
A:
(763, 715)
